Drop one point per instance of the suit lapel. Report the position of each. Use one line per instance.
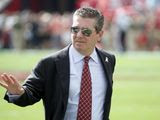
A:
(106, 66)
(106, 63)
(63, 70)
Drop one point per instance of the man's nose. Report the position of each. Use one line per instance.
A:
(79, 34)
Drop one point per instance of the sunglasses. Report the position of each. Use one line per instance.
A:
(85, 31)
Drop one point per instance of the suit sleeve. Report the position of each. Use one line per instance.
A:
(33, 86)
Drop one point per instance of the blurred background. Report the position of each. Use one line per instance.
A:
(130, 25)
(32, 29)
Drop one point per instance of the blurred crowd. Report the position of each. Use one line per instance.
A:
(129, 25)
(35, 30)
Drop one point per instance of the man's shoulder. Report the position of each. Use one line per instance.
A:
(57, 55)
(105, 53)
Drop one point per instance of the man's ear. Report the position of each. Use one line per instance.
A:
(100, 35)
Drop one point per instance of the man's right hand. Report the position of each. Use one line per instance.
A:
(12, 85)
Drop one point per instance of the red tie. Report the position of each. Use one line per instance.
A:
(85, 100)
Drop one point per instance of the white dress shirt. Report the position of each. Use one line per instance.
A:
(99, 85)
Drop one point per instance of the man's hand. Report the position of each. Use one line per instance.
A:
(11, 84)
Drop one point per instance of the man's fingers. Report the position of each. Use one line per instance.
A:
(3, 85)
(7, 79)
(11, 84)
(15, 81)
(4, 79)
(13, 78)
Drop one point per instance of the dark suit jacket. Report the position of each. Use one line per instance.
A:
(49, 81)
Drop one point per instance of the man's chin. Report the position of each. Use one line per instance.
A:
(79, 45)
(79, 48)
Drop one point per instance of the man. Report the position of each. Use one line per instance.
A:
(74, 83)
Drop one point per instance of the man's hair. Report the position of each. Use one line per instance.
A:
(89, 12)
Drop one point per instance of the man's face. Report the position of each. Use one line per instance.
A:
(83, 34)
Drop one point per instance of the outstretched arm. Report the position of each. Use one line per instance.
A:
(11, 84)
(30, 92)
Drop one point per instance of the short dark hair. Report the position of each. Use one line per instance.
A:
(89, 12)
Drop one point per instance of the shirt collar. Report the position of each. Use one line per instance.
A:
(77, 57)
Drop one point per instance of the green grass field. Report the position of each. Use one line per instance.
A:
(136, 93)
